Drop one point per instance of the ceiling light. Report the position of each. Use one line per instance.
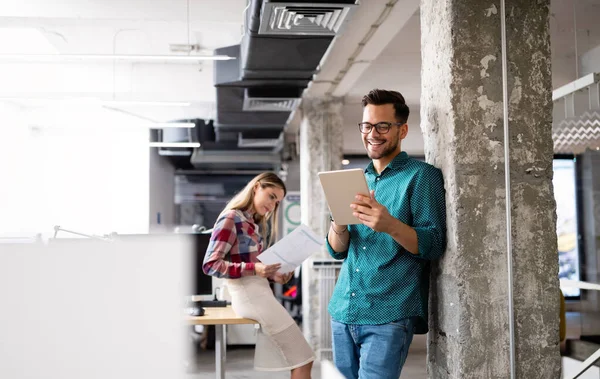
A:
(110, 57)
(345, 162)
(164, 125)
(140, 102)
(175, 144)
(94, 101)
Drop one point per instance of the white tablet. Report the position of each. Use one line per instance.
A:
(340, 189)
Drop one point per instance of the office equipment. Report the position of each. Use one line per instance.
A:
(212, 303)
(194, 308)
(340, 189)
(291, 298)
(106, 309)
(202, 283)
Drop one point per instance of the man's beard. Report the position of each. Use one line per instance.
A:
(390, 150)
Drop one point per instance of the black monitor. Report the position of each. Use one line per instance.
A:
(201, 283)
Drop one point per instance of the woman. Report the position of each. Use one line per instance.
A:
(240, 234)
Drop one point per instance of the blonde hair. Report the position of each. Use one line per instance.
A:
(244, 200)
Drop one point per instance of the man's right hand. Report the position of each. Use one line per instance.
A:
(266, 271)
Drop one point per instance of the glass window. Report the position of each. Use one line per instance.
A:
(566, 223)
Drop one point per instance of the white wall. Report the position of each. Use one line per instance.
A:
(590, 61)
(84, 170)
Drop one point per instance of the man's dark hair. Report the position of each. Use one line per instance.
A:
(381, 97)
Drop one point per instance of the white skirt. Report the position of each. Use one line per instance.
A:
(280, 344)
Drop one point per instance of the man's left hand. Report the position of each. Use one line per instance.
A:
(371, 213)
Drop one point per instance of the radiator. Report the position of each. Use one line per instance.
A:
(327, 272)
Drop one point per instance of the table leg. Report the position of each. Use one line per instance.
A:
(220, 351)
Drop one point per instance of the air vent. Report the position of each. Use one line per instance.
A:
(266, 104)
(271, 99)
(303, 18)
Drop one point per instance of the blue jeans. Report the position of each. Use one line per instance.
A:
(371, 351)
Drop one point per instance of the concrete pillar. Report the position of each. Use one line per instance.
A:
(320, 150)
(462, 120)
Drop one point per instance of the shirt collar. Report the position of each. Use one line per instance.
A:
(396, 163)
(249, 213)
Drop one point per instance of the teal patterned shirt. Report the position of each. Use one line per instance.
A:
(380, 281)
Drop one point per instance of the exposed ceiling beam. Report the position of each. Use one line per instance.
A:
(352, 52)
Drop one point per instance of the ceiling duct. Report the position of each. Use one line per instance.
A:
(304, 18)
(257, 91)
(230, 111)
(180, 135)
(263, 99)
(236, 159)
(253, 140)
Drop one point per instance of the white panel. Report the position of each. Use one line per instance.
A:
(94, 309)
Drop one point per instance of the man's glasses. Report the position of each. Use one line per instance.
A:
(381, 127)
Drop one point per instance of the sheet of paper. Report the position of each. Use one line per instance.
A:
(292, 249)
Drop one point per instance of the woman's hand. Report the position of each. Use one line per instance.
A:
(266, 271)
(283, 278)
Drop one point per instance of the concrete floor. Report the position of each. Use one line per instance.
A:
(240, 360)
(240, 364)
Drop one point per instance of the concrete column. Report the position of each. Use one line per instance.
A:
(462, 120)
(320, 150)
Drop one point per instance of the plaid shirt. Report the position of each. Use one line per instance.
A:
(234, 245)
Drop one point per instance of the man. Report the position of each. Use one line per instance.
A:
(380, 298)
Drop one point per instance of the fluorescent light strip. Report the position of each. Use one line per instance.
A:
(91, 101)
(139, 102)
(165, 125)
(175, 144)
(104, 57)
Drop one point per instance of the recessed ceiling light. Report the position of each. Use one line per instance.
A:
(345, 162)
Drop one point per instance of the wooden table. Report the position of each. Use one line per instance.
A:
(219, 317)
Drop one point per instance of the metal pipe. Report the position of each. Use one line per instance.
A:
(511, 319)
(57, 229)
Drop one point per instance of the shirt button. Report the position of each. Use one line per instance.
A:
(353, 294)
(364, 248)
(357, 270)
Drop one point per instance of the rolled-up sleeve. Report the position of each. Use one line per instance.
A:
(428, 207)
(333, 253)
(223, 242)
